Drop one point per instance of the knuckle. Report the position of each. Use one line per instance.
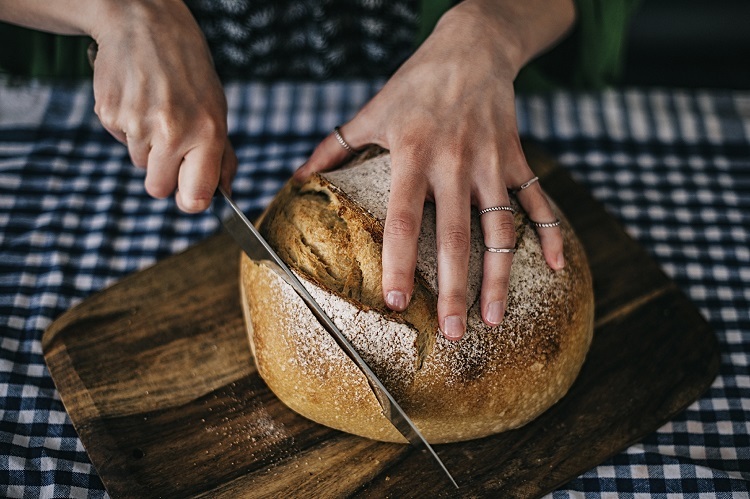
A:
(106, 115)
(455, 152)
(410, 141)
(194, 203)
(211, 126)
(168, 128)
(102, 110)
(408, 173)
(401, 226)
(455, 239)
(453, 298)
(134, 127)
(409, 164)
(157, 190)
(172, 130)
(552, 240)
(395, 277)
(503, 231)
(500, 281)
(204, 189)
(138, 158)
(200, 195)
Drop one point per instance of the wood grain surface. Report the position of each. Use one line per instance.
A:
(157, 376)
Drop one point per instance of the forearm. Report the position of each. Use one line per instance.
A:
(522, 29)
(94, 18)
(65, 17)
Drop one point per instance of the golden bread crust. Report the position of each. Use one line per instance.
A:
(329, 231)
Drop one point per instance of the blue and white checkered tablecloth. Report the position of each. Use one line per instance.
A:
(673, 166)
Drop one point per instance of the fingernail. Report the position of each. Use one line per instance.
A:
(453, 328)
(298, 174)
(396, 300)
(495, 311)
(560, 261)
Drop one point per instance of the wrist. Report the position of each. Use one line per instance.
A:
(112, 18)
(516, 31)
(469, 22)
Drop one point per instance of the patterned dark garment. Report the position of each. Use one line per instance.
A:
(307, 39)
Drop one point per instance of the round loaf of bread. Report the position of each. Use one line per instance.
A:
(330, 231)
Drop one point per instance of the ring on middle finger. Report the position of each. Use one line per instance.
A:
(490, 249)
(497, 208)
(546, 225)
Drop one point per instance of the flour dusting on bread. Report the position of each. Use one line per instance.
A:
(330, 232)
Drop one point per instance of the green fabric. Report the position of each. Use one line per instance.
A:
(431, 11)
(591, 56)
(29, 53)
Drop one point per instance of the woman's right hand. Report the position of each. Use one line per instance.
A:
(157, 92)
(155, 88)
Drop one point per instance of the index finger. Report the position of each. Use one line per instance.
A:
(330, 153)
(401, 232)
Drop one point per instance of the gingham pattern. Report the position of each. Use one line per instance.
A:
(673, 166)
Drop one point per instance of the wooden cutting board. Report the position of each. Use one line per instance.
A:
(157, 376)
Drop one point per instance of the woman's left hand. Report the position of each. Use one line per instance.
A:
(448, 118)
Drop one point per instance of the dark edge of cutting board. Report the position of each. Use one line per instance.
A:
(158, 379)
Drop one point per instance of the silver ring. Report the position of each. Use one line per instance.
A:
(344, 144)
(526, 184)
(497, 208)
(499, 250)
(546, 225)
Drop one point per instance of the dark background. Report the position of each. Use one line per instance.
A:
(689, 43)
(671, 43)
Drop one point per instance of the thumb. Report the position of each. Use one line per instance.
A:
(228, 167)
(331, 153)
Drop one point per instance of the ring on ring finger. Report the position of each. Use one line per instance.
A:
(545, 225)
(500, 208)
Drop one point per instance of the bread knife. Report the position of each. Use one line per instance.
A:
(258, 249)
